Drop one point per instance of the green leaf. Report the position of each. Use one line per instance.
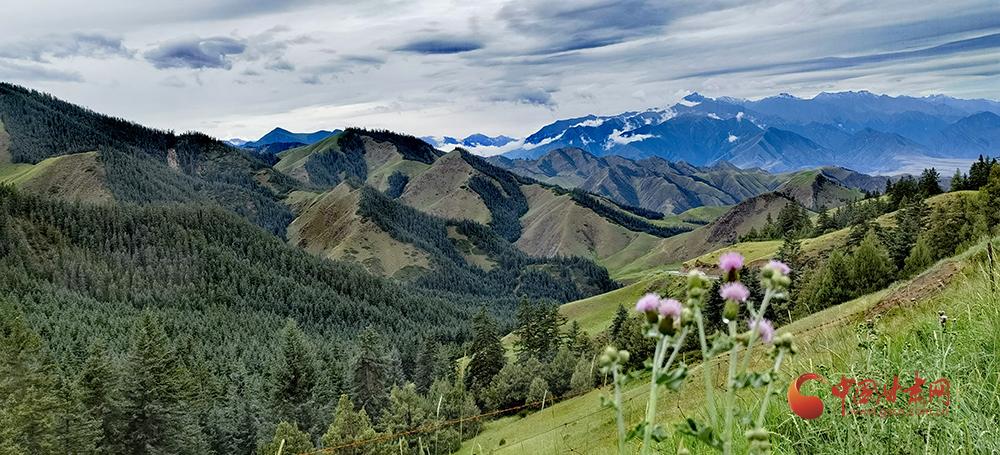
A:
(674, 378)
(704, 433)
(638, 430)
(659, 434)
(720, 343)
(752, 380)
(606, 403)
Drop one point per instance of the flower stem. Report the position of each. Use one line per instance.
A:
(757, 319)
(618, 408)
(770, 388)
(706, 371)
(727, 434)
(647, 435)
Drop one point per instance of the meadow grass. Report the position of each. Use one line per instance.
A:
(834, 342)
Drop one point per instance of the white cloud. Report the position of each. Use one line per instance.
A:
(618, 138)
(732, 138)
(592, 123)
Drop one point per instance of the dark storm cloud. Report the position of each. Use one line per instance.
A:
(831, 63)
(79, 44)
(574, 26)
(342, 64)
(443, 45)
(14, 71)
(194, 52)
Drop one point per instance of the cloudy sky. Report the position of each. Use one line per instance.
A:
(238, 68)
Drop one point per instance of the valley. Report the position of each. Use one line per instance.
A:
(280, 286)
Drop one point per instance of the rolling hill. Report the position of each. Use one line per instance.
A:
(671, 188)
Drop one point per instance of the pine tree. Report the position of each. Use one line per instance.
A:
(538, 390)
(928, 183)
(423, 372)
(371, 373)
(871, 266)
(294, 377)
(919, 259)
(407, 411)
(154, 407)
(98, 383)
(616, 324)
(350, 427)
(488, 353)
(958, 181)
(28, 404)
(289, 439)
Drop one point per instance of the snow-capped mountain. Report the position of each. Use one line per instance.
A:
(860, 130)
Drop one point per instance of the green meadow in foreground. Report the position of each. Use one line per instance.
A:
(902, 337)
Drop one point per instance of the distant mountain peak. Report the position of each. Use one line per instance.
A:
(694, 98)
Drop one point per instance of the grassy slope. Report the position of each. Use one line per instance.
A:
(555, 225)
(328, 226)
(812, 248)
(827, 338)
(79, 177)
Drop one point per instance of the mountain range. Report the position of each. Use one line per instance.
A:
(858, 130)
(672, 188)
(471, 141)
(280, 139)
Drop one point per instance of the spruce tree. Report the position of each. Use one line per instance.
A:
(488, 353)
(28, 404)
(289, 439)
(154, 396)
(371, 373)
(294, 377)
(351, 427)
(871, 266)
(928, 183)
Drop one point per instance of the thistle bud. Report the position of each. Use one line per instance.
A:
(731, 310)
(623, 356)
(666, 326)
(651, 316)
(687, 316)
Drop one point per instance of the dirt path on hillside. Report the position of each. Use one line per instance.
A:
(921, 288)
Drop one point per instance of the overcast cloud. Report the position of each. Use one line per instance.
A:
(238, 68)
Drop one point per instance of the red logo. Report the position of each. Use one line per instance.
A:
(806, 406)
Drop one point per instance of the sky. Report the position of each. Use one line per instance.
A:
(239, 68)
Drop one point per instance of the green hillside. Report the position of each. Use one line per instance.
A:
(828, 343)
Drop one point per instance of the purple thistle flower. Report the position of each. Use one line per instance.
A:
(731, 261)
(670, 308)
(734, 291)
(765, 329)
(779, 266)
(648, 302)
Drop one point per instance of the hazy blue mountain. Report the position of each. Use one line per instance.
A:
(284, 136)
(859, 130)
(472, 141)
(674, 187)
(970, 137)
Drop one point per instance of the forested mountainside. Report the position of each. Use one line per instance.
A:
(672, 188)
(424, 186)
(143, 165)
(49, 143)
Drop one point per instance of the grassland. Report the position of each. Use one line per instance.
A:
(905, 337)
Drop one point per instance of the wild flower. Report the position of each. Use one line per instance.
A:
(779, 266)
(731, 261)
(670, 308)
(764, 328)
(734, 292)
(648, 302)
(670, 321)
